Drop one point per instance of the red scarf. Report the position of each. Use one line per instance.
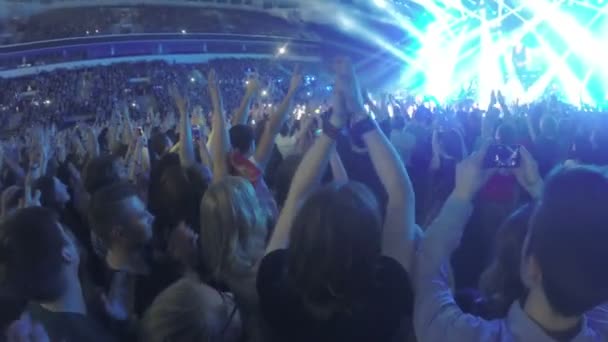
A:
(244, 167)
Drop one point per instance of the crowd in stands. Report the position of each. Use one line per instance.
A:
(58, 96)
(215, 214)
(99, 20)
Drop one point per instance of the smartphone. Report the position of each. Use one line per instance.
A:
(140, 131)
(196, 133)
(503, 156)
(318, 132)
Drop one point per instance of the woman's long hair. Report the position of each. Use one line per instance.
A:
(233, 229)
(335, 247)
(500, 283)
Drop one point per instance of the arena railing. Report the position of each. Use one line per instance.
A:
(57, 51)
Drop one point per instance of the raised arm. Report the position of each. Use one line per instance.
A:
(307, 177)
(400, 231)
(186, 146)
(204, 154)
(92, 145)
(436, 159)
(437, 317)
(264, 149)
(220, 142)
(503, 105)
(241, 116)
(337, 168)
(531, 129)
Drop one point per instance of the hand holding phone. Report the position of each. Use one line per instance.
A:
(503, 156)
(196, 133)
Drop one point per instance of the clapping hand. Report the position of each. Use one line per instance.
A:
(348, 85)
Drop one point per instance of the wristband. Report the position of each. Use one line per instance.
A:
(330, 130)
(360, 128)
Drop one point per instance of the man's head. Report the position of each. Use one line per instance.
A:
(119, 218)
(548, 126)
(160, 143)
(54, 194)
(565, 250)
(40, 257)
(101, 172)
(242, 139)
(398, 122)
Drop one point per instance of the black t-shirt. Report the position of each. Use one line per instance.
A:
(69, 327)
(162, 273)
(377, 317)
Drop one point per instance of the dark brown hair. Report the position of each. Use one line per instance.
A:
(335, 246)
(31, 244)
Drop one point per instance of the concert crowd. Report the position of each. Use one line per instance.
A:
(256, 200)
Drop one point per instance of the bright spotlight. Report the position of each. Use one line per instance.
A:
(192, 80)
(264, 93)
(184, 32)
(282, 50)
(380, 3)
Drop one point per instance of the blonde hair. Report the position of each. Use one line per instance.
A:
(185, 311)
(233, 228)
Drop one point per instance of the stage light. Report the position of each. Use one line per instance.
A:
(184, 31)
(380, 3)
(264, 93)
(282, 50)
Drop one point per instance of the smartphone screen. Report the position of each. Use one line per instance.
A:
(196, 133)
(503, 156)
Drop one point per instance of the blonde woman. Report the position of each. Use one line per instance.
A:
(191, 311)
(234, 225)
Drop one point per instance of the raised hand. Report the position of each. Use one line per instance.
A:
(253, 85)
(492, 98)
(296, 80)
(353, 97)
(470, 174)
(214, 90)
(180, 101)
(339, 116)
(500, 97)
